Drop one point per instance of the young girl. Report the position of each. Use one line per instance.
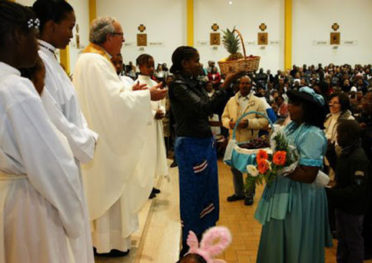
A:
(155, 140)
(195, 146)
(40, 203)
(57, 20)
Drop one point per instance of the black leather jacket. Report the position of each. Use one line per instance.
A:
(191, 106)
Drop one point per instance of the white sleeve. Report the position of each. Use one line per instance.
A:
(82, 140)
(49, 166)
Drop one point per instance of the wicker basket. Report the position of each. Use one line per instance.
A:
(248, 64)
(238, 157)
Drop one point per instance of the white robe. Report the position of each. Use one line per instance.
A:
(154, 153)
(128, 82)
(59, 99)
(120, 117)
(41, 209)
(61, 104)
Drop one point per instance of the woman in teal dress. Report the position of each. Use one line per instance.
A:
(293, 210)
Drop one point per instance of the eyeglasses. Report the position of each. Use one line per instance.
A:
(117, 33)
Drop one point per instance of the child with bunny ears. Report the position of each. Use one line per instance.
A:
(214, 241)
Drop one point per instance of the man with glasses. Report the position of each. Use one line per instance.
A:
(120, 116)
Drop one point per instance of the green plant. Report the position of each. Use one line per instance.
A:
(231, 42)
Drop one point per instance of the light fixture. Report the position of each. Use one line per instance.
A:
(230, 2)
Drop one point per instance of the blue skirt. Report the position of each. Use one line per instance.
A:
(198, 179)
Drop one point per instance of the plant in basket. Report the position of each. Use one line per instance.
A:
(283, 160)
(231, 42)
(236, 62)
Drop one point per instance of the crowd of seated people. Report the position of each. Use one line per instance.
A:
(355, 81)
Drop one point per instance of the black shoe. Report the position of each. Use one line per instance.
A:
(248, 201)
(155, 190)
(234, 197)
(152, 195)
(174, 164)
(113, 253)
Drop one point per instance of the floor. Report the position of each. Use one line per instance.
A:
(158, 238)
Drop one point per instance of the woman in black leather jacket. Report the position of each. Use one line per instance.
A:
(195, 146)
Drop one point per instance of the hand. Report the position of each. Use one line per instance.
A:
(363, 125)
(243, 124)
(232, 124)
(231, 77)
(157, 92)
(138, 86)
(159, 114)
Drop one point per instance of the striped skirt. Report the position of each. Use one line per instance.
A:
(198, 179)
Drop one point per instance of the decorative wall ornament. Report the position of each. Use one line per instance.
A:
(335, 26)
(141, 37)
(335, 37)
(141, 28)
(141, 40)
(215, 27)
(262, 37)
(215, 38)
(262, 27)
(77, 36)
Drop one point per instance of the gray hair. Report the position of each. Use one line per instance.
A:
(100, 28)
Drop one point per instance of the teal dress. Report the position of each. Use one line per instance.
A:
(294, 215)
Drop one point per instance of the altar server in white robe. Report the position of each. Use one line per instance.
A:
(120, 117)
(117, 61)
(41, 209)
(57, 20)
(154, 154)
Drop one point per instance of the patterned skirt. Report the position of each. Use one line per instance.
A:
(198, 179)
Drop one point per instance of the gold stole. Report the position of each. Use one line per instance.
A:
(93, 48)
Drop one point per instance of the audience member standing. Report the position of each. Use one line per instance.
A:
(244, 101)
(350, 195)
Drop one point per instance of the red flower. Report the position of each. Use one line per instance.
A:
(261, 155)
(280, 157)
(263, 166)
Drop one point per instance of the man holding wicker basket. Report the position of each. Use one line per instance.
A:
(244, 101)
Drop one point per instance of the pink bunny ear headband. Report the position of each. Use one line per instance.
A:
(208, 248)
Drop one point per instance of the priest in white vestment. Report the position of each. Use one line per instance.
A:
(120, 117)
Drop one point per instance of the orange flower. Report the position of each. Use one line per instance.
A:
(261, 155)
(280, 157)
(263, 166)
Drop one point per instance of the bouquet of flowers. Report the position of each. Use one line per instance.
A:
(282, 161)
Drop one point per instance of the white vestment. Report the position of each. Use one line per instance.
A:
(41, 209)
(61, 104)
(154, 153)
(120, 117)
(128, 82)
(59, 99)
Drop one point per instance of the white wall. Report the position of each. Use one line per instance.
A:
(246, 16)
(165, 22)
(312, 21)
(81, 8)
